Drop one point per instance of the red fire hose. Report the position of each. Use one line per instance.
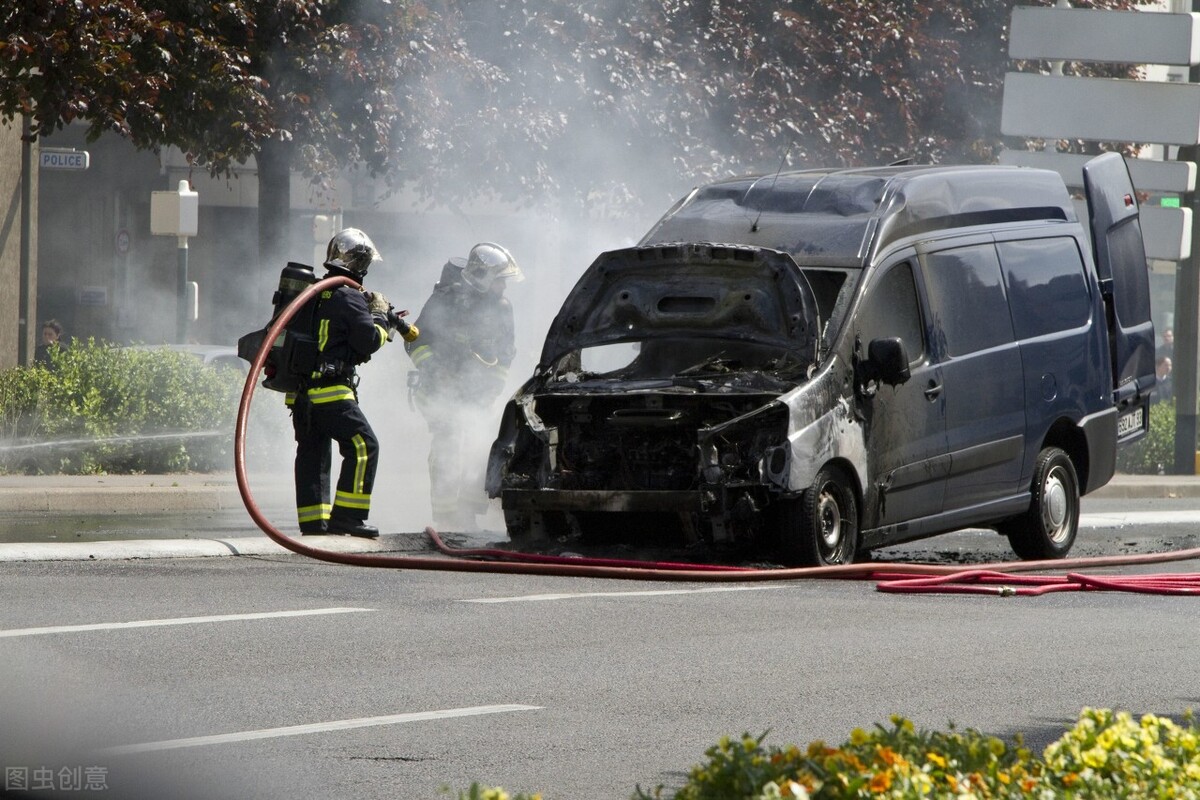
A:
(996, 579)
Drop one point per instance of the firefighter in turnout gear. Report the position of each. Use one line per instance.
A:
(350, 325)
(462, 361)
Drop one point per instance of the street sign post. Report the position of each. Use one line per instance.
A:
(177, 214)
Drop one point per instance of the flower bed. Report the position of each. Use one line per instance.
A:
(1105, 755)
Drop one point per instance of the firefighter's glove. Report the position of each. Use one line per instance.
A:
(378, 304)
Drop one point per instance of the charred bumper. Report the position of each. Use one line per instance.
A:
(633, 501)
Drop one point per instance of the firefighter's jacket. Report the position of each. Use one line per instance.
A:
(347, 335)
(467, 342)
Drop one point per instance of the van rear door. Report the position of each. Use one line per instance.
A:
(1125, 283)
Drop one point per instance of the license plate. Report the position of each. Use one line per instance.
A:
(1131, 423)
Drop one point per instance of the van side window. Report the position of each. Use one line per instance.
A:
(892, 310)
(1046, 287)
(967, 299)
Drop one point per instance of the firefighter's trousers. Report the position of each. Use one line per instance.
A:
(342, 422)
(457, 460)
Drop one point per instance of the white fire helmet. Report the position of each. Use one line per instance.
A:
(352, 250)
(488, 262)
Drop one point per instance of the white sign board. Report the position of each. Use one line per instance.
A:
(57, 158)
(1085, 34)
(1167, 177)
(1167, 232)
(1100, 109)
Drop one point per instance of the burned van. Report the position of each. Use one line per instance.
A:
(831, 361)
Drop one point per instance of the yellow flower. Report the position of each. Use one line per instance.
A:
(858, 736)
(936, 759)
(1094, 758)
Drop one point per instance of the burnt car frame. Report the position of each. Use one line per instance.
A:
(830, 361)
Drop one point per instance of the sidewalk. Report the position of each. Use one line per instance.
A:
(157, 494)
(149, 494)
(65, 495)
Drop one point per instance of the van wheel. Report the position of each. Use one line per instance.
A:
(819, 528)
(1048, 529)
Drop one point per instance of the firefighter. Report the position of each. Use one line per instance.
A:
(350, 325)
(461, 362)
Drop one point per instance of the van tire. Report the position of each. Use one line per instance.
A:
(820, 527)
(1048, 529)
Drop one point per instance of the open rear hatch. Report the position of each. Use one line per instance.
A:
(1125, 282)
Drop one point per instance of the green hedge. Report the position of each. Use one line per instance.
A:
(1106, 755)
(1154, 453)
(102, 409)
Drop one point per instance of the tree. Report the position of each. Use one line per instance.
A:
(598, 102)
(593, 104)
(293, 83)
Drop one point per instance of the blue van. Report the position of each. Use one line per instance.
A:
(828, 361)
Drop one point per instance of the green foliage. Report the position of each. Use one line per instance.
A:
(103, 409)
(1154, 453)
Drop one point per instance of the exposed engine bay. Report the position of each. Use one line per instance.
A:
(654, 409)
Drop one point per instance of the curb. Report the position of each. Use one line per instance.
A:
(1154, 488)
(193, 548)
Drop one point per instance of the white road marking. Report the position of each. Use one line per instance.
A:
(1119, 519)
(154, 623)
(533, 598)
(319, 727)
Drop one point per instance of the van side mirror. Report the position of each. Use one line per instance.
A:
(889, 360)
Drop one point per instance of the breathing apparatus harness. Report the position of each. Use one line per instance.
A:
(294, 355)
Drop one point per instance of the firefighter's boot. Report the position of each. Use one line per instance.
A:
(352, 527)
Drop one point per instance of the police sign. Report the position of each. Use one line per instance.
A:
(58, 158)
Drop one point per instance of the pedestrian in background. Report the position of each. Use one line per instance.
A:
(52, 332)
(1167, 348)
(461, 360)
(1164, 384)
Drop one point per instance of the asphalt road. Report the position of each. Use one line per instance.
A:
(279, 677)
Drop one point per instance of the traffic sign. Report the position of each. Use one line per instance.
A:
(60, 158)
(1123, 37)
(1100, 109)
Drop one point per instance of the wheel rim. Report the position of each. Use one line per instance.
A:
(829, 521)
(1056, 505)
